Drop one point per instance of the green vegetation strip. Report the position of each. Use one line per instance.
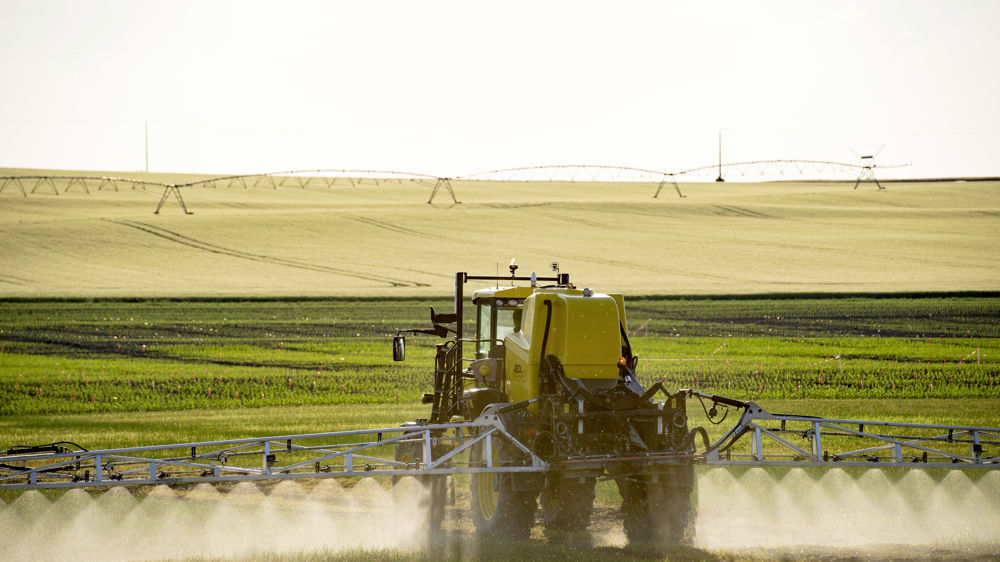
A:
(127, 356)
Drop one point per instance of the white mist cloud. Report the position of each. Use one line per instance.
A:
(205, 522)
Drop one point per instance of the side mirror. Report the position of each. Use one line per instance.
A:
(443, 318)
(398, 348)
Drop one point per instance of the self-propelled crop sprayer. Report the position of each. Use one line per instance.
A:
(537, 406)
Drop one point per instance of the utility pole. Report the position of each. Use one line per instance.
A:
(147, 147)
(720, 157)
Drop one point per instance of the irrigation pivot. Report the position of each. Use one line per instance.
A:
(438, 184)
(868, 168)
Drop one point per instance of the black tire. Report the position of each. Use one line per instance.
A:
(658, 512)
(437, 486)
(411, 453)
(636, 509)
(498, 510)
(438, 498)
(567, 504)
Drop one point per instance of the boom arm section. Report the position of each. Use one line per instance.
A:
(357, 453)
(761, 438)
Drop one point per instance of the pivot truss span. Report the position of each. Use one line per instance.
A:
(562, 173)
(294, 178)
(761, 438)
(369, 452)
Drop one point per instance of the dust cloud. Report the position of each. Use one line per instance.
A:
(202, 521)
(760, 509)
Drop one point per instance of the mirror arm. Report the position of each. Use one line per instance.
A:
(438, 330)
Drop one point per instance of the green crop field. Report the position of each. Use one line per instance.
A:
(115, 373)
(59, 357)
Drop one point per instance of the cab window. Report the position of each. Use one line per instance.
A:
(494, 322)
(484, 327)
(505, 322)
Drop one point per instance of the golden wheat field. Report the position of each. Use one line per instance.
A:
(382, 238)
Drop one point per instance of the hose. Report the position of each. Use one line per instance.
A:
(546, 384)
(689, 440)
(712, 414)
(628, 345)
(47, 448)
(545, 334)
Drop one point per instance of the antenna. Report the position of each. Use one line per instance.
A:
(720, 157)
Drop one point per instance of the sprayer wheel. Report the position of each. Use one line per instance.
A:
(657, 512)
(676, 518)
(567, 504)
(437, 486)
(498, 509)
(409, 453)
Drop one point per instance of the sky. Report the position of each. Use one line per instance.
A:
(450, 88)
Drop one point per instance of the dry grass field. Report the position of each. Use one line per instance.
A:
(385, 239)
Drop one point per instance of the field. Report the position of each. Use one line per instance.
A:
(121, 373)
(270, 311)
(117, 356)
(125, 373)
(385, 240)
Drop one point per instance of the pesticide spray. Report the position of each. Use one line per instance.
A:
(837, 508)
(758, 510)
(202, 521)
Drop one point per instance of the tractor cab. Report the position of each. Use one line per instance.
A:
(497, 316)
(498, 312)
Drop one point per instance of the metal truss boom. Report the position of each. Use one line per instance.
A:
(167, 191)
(839, 442)
(758, 439)
(567, 173)
(365, 452)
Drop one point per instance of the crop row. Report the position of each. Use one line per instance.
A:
(46, 385)
(61, 357)
(747, 368)
(965, 317)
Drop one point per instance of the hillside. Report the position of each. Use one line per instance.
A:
(385, 240)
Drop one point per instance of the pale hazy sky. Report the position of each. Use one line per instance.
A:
(455, 87)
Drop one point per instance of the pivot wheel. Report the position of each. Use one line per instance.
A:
(566, 505)
(412, 453)
(658, 511)
(498, 508)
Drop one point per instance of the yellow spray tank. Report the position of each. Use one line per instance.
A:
(582, 329)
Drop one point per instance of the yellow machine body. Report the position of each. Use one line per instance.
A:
(584, 333)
